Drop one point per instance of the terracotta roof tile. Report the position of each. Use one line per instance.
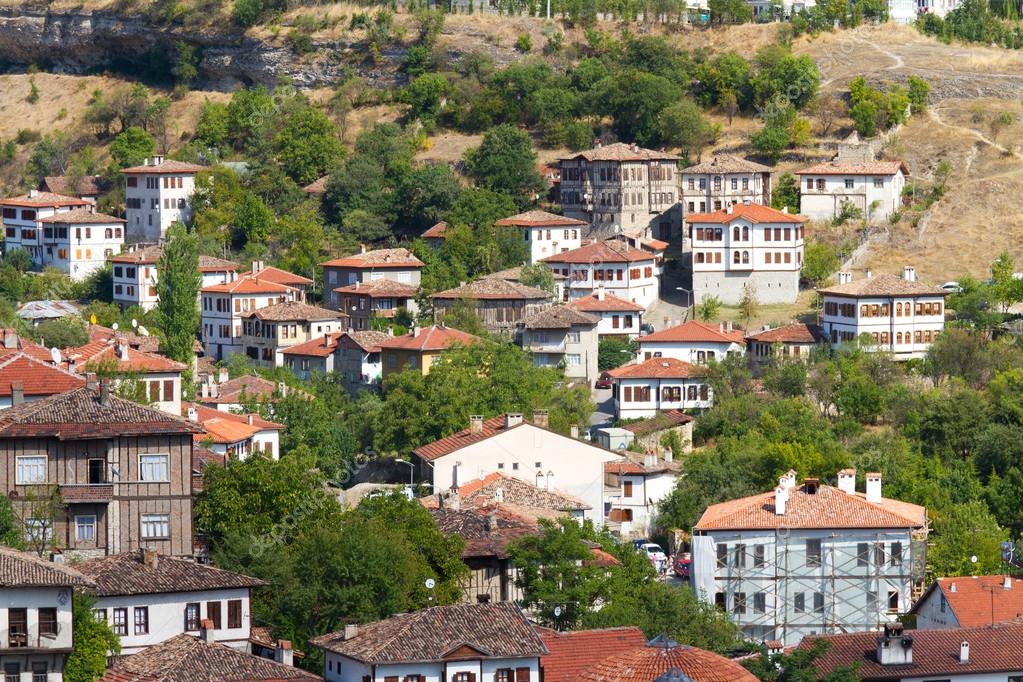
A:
(515, 492)
(494, 289)
(36, 377)
(367, 340)
(636, 463)
(883, 285)
(459, 440)
(127, 574)
(150, 255)
(381, 288)
(433, 338)
(487, 531)
(166, 167)
(797, 332)
(320, 347)
(851, 168)
(97, 352)
(571, 652)
(610, 303)
(145, 344)
(601, 252)
(658, 368)
(380, 258)
(697, 331)
(226, 427)
(539, 219)
(292, 311)
(87, 185)
(24, 569)
(754, 213)
(184, 658)
(726, 163)
(436, 232)
(971, 601)
(827, 508)
(997, 649)
(651, 662)
(248, 285)
(46, 199)
(271, 274)
(499, 630)
(82, 216)
(619, 151)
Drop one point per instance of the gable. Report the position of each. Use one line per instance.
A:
(527, 438)
(463, 652)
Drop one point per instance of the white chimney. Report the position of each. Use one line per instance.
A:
(964, 653)
(729, 210)
(475, 423)
(952, 588)
(909, 273)
(650, 459)
(869, 274)
(283, 652)
(728, 326)
(33, 193)
(1007, 583)
(512, 419)
(223, 375)
(457, 481)
(550, 479)
(874, 488)
(788, 480)
(573, 431)
(499, 495)
(781, 496)
(600, 293)
(122, 351)
(249, 419)
(351, 631)
(193, 414)
(894, 647)
(541, 418)
(847, 481)
(784, 209)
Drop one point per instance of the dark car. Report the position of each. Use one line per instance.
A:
(603, 381)
(646, 328)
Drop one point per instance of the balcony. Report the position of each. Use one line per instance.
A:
(547, 346)
(19, 637)
(87, 493)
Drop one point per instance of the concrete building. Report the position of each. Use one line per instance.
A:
(724, 181)
(901, 315)
(634, 487)
(397, 265)
(461, 643)
(616, 316)
(146, 598)
(969, 601)
(157, 194)
(873, 187)
(507, 444)
(268, 331)
(563, 337)
(643, 389)
(810, 560)
(795, 341)
(500, 304)
(629, 273)
(546, 233)
(136, 275)
(623, 189)
(746, 247)
(315, 356)
(694, 342)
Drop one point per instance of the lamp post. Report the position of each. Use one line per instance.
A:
(689, 301)
(411, 471)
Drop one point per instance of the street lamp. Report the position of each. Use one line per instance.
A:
(411, 471)
(689, 300)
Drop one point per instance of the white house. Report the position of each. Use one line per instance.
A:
(460, 643)
(397, 265)
(795, 341)
(530, 451)
(902, 315)
(812, 559)
(969, 601)
(157, 194)
(976, 654)
(562, 337)
(874, 187)
(147, 598)
(629, 273)
(617, 316)
(746, 247)
(939, 8)
(225, 306)
(694, 342)
(634, 487)
(546, 233)
(159, 375)
(236, 436)
(645, 388)
(724, 181)
(904, 11)
(135, 275)
(267, 331)
(35, 608)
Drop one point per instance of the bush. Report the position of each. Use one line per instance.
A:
(524, 43)
(26, 136)
(248, 12)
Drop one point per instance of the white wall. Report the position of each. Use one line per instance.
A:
(688, 351)
(908, 323)
(160, 206)
(825, 204)
(32, 599)
(544, 242)
(929, 614)
(641, 289)
(641, 409)
(342, 669)
(647, 492)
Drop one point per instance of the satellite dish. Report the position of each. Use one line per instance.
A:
(134, 323)
(557, 612)
(143, 331)
(55, 355)
(973, 559)
(430, 583)
(114, 326)
(92, 319)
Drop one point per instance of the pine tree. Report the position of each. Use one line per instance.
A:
(179, 292)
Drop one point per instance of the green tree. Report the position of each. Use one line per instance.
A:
(213, 127)
(247, 12)
(708, 308)
(505, 162)
(538, 275)
(178, 289)
(864, 114)
(919, 91)
(307, 144)
(424, 94)
(131, 146)
(684, 126)
(801, 665)
(730, 11)
(10, 529)
(962, 532)
(464, 315)
(615, 351)
(770, 142)
(253, 221)
(635, 99)
(63, 332)
(819, 262)
(186, 63)
(94, 640)
(748, 304)
(785, 194)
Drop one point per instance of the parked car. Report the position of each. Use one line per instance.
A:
(603, 381)
(681, 565)
(951, 287)
(646, 328)
(656, 555)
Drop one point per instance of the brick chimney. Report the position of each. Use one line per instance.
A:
(150, 558)
(17, 393)
(283, 652)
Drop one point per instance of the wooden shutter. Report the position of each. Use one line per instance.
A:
(522, 675)
(391, 678)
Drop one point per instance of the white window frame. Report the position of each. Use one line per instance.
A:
(23, 467)
(145, 466)
(79, 526)
(155, 526)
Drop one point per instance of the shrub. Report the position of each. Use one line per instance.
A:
(524, 43)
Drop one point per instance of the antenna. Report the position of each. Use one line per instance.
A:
(55, 355)
(430, 584)
(114, 326)
(143, 331)
(134, 323)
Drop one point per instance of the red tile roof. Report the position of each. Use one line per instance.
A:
(380, 288)
(539, 219)
(294, 311)
(149, 255)
(81, 216)
(457, 441)
(851, 168)
(658, 368)
(649, 663)
(36, 377)
(252, 387)
(101, 352)
(320, 347)
(433, 338)
(367, 340)
(247, 285)
(797, 332)
(44, 199)
(436, 232)
(487, 531)
(511, 492)
(754, 213)
(380, 258)
(601, 252)
(697, 331)
(620, 151)
(883, 285)
(997, 649)
(726, 163)
(227, 427)
(827, 508)
(611, 303)
(271, 274)
(165, 167)
(571, 652)
(979, 600)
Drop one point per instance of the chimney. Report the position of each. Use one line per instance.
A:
(811, 485)
(457, 481)
(249, 418)
(257, 265)
(788, 480)
(71, 365)
(90, 381)
(122, 351)
(33, 193)
(909, 273)
(157, 160)
(847, 481)
(416, 331)
(205, 390)
(728, 326)
(650, 458)
(10, 339)
(573, 431)
(721, 327)
(362, 248)
(326, 340)
(206, 630)
(104, 391)
(869, 274)
(541, 418)
(844, 277)
(476, 423)
(512, 419)
(781, 496)
(874, 488)
(600, 293)
(730, 210)
(499, 495)
(668, 455)
(964, 653)
(150, 559)
(17, 393)
(1007, 583)
(351, 631)
(283, 653)
(491, 522)
(784, 209)
(223, 375)
(193, 414)
(894, 647)
(952, 588)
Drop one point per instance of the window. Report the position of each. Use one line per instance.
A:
(504, 675)
(461, 677)
(944, 605)
(213, 613)
(739, 603)
(871, 601)
(740, 556)
(40, 672)
(627, 489)
(799, 603)
(878, 182)
(234, 613)
(893, 601)
(813, 552)
(154, 467)
(192, 617)
(758, 556)
(31, 469)
(12, 672)
(168, 390)
(141, 620)
(818, 602)
(722, 555)
(862, 554)
(48, 622)
(879, 553)
(85, 528)
(156, 525)
(120, 626)
(896, 554)
(849, 183)
(759, 602)
(100, 615)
